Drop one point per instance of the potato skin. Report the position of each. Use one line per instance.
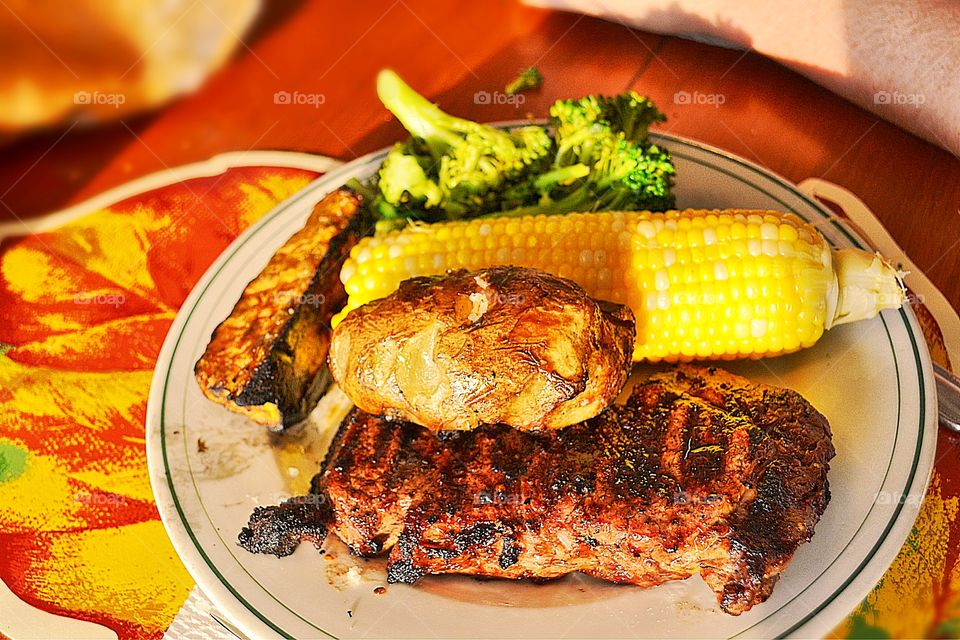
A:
(506, 345)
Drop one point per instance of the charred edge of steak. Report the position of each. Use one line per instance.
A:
(402, 570)
(792, 492)
(279, 530)
(403, 567)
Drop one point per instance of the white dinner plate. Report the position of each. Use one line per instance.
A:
(210, 468)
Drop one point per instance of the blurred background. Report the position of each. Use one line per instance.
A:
(107, 91)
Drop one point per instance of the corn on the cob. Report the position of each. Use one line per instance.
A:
(702, 284)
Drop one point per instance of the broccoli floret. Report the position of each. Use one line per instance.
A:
(625, 176)
(599, 158)
(630, 177)
(603, 160)
(404, 180)
(583, 126)
(464, 164)
(529, 78)
(629, 114)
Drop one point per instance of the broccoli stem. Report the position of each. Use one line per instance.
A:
(579, 200)
(419, 116)
(562, 175)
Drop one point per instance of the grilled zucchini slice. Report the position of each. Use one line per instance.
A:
(267, 359)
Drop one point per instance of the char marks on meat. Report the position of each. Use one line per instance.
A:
(700, 472)
(279, 530)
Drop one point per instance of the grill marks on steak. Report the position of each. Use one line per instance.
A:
(374, 471)
(699, 472)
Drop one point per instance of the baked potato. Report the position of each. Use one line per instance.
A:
(504, 345)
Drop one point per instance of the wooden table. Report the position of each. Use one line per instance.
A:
(452, 50)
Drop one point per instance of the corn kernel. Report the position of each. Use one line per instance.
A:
(703, 284)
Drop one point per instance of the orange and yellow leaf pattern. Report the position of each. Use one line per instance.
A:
(85, 310)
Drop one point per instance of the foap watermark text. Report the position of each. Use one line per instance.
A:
(299, 98)
(99, 98)
(685, 98)
(498, 97)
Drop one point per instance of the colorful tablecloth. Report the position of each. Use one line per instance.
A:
(86, 297)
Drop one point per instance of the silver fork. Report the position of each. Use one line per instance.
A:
(948, 397)
(229, 628)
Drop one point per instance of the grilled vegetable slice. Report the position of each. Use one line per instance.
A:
(702, 284)
(267, 360)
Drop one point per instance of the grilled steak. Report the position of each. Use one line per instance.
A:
(503, 345)
(267, 359)
(700, 472)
